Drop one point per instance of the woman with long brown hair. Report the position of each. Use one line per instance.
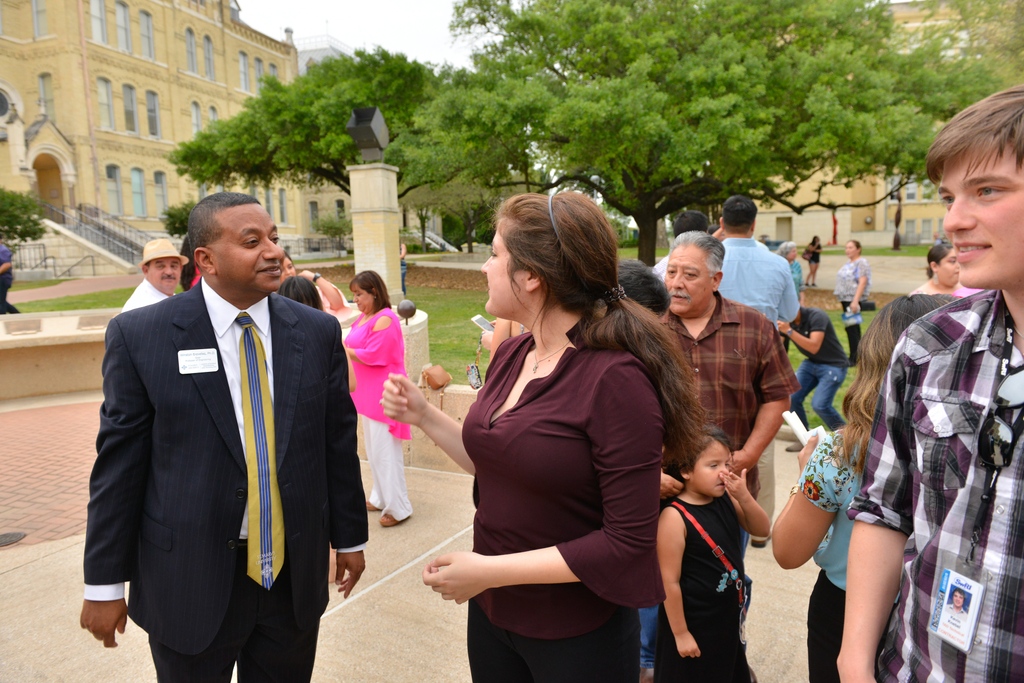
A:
(565, 440)
(830, 477)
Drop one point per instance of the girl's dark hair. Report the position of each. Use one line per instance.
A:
(577, 259)
(936, 254)
(188, 270)
(710, 434)
(302, 290)
(815, 241)
(873, 357)
(372, 283)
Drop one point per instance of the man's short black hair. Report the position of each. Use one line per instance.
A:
(202, 221)
(688, 221)
(643, 285)
(739, 213)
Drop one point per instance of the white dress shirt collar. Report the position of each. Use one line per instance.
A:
(223, 314)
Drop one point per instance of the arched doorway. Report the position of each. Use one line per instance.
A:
(48, 182)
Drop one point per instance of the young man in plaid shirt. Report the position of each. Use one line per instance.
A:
(943, 490)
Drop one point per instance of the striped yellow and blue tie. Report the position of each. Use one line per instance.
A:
(266, 519)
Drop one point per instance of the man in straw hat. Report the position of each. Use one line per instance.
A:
(161, 264)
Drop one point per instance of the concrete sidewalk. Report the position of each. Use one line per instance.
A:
(392, 629)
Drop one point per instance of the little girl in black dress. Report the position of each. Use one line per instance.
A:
(698, 624)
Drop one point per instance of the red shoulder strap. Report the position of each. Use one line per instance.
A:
(716, 549)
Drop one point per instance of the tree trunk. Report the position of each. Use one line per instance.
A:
(648, 226)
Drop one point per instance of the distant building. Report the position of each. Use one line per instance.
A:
(90, 108)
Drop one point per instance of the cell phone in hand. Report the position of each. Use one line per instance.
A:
(483, 323)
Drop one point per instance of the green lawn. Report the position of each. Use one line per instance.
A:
(919, 251)
(113, 298)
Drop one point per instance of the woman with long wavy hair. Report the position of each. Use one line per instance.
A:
(830, 477)
(565, 440)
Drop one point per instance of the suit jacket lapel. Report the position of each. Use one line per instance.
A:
(288, 340)
(196, 332)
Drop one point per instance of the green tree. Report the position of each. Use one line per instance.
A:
(988, 29)
(333, 226)
(661, 105)
(176, 218)
(19, 218)
(296, 132)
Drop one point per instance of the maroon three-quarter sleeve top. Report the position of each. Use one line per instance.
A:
(575, 464)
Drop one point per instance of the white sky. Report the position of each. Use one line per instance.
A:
(417, 28)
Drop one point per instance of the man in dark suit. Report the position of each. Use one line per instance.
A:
(226, 562)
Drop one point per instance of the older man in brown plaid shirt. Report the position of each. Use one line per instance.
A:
(743, 370)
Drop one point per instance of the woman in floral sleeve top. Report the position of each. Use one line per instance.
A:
(814, 521)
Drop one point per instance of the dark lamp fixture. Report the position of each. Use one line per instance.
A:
(367, 128)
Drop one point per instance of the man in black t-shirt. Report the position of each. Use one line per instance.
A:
(824, 368)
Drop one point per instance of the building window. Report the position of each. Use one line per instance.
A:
(252, 190)
(124, 26)
(259, 72)
(268, 200)
(243, 71)
(131, 109)
(272, 69)
(114, 205)
(190, 51)
(146, 35)
(208, 58)
(911, 229)
(339, 208)
(197, 118)
(213, 114)
(282, 202)
(911, 190)
(160, 190)
(926, 229)
(202, 190)
(105, 97)
(98, 14)
(39, 25)
(314, 214)
(153, 113)
(138, 192)
(46, 95)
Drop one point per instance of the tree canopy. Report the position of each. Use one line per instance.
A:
(19, 218)
(296, 132)
(657, 105)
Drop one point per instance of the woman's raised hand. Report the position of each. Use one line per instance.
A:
(403, 401)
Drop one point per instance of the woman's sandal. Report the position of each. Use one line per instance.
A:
(387, 520)
(371, 508)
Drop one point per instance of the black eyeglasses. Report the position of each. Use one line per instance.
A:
(998, 440)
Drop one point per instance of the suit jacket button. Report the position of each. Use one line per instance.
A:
(240, 494)
(232, 544)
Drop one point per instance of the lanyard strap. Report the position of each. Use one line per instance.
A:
(992, 471)
(716, 549)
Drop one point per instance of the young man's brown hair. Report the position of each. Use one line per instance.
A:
(984, 131)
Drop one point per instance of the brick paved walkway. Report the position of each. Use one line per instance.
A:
(45, 461)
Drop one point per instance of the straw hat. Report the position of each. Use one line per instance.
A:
(161, 248)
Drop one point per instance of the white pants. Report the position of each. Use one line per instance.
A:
(766, 473)
(384, 452)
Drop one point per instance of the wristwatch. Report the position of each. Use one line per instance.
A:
(789, 332)
(316, 276)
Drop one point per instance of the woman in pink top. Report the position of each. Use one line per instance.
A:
(376, 348)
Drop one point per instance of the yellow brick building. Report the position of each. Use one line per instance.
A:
(95, 93)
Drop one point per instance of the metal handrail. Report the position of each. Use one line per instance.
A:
(97, 216)
(51, 259)
(106, 239)
(89, 257)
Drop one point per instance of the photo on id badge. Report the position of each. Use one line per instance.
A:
(955, 613)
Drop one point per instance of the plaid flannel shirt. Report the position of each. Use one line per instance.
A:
(922, 478)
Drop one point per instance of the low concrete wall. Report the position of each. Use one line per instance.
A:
(52, 353)
(44, 354)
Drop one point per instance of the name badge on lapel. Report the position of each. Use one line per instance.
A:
(192, 361)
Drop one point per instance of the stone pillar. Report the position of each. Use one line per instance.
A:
(376, 221)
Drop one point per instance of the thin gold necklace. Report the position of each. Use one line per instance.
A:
(538, 361)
